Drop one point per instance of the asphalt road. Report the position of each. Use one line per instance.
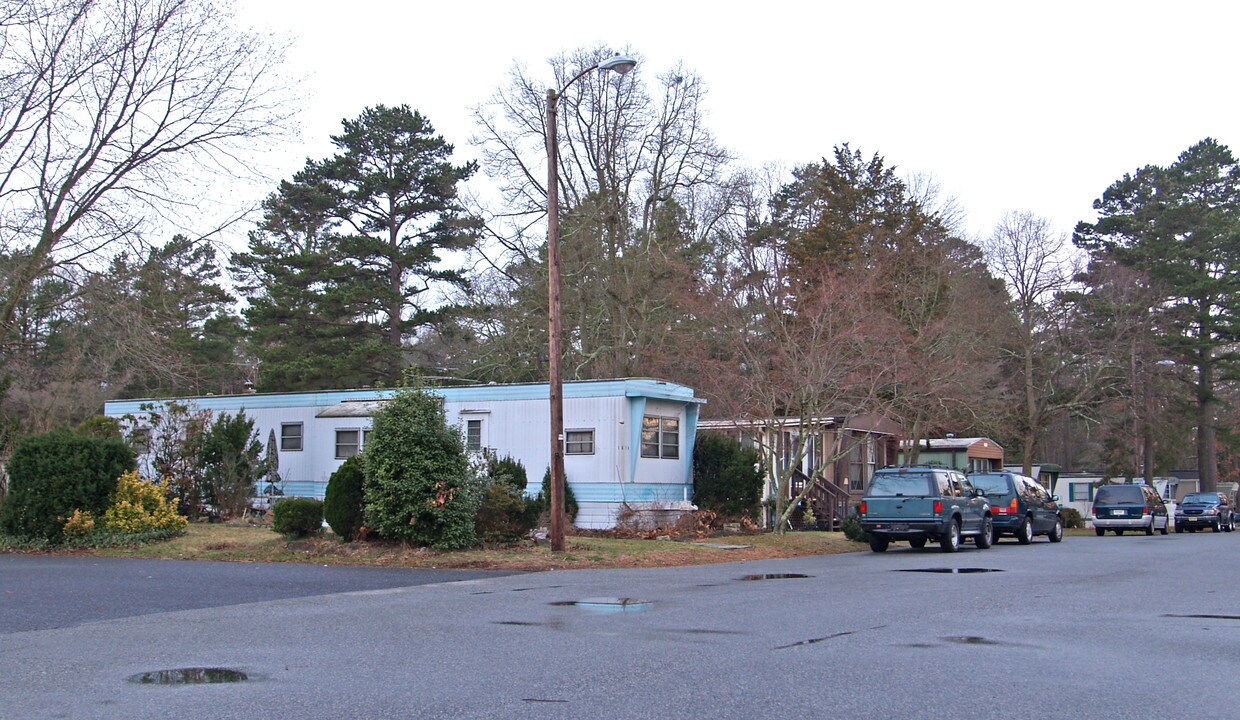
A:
(1131, 627)
(45, 592)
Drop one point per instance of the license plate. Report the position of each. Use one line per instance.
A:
(1119, 512)
(899, 527)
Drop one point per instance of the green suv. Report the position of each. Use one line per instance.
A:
(921, 504)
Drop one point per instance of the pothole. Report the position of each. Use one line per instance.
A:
(617, 604)
(971, 640)
(950, 571)
(777, 576)
(189, 676)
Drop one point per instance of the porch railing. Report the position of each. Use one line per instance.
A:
(827, 499)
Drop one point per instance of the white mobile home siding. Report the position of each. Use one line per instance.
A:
(513, 419)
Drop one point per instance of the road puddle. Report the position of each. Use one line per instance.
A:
(617, 604)
(189, 676)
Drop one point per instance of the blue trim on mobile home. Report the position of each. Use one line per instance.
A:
(629, 387)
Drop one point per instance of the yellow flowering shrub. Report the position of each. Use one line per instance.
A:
(141, 506)
(80, 523)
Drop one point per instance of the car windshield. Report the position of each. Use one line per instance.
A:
(1119, 495)
(893, 484)
(992, 485)
(1207, 498)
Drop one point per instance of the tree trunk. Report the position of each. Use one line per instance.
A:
(1207, 453)
(1031, 400)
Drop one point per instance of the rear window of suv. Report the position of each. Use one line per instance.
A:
(992, 485)
(1119, 495)
(904, 484)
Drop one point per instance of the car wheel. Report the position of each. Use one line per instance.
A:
(1179, 529)
(1149, 529)
(994, 534)
(1119, 532)
(1024, 534)
(918, 542)
(1214, 527)
(879, 543)
(1165, 527)
(1100, 531)
(950, 541)
(984, 537)
(1056, 533)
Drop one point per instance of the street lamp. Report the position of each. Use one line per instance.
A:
(621, 64)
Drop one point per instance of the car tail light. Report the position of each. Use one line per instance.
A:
(938, 506)
(862, 507)
(1145, 510)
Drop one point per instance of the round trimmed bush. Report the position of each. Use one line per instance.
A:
(418, 482)
(297, 517)
(343, 504)
(53, 475)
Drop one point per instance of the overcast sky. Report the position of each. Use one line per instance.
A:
(1010, 106)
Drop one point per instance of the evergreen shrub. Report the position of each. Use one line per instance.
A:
(140, 507)
(1071, 517)
(419, 488)
(505, 514)
(100, 426)
(297, 517)
(509, 470)
(344, 502)
(542, 502)
(53, 475)
(852, 529)
(230, 457)
(727, 476)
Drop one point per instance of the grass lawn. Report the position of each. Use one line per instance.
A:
(257, 543)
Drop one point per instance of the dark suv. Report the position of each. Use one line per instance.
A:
(919, 504)
(1204, 510)
(1019, 506)
(1129, 507)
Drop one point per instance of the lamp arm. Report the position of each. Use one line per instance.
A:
(577, 77)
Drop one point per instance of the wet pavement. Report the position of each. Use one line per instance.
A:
(1044, 638)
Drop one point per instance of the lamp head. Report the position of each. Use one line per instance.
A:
(619, 63)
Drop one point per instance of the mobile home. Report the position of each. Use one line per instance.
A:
(628, 442)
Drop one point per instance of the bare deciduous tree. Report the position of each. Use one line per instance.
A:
(1036, 264)
(643, 184)
(108, 107)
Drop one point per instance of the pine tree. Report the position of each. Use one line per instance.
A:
(343, 269)
(1180, 225)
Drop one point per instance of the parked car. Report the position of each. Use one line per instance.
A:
(1201, 510)
(1129, 507)
(920, 504)
(1019, 506)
